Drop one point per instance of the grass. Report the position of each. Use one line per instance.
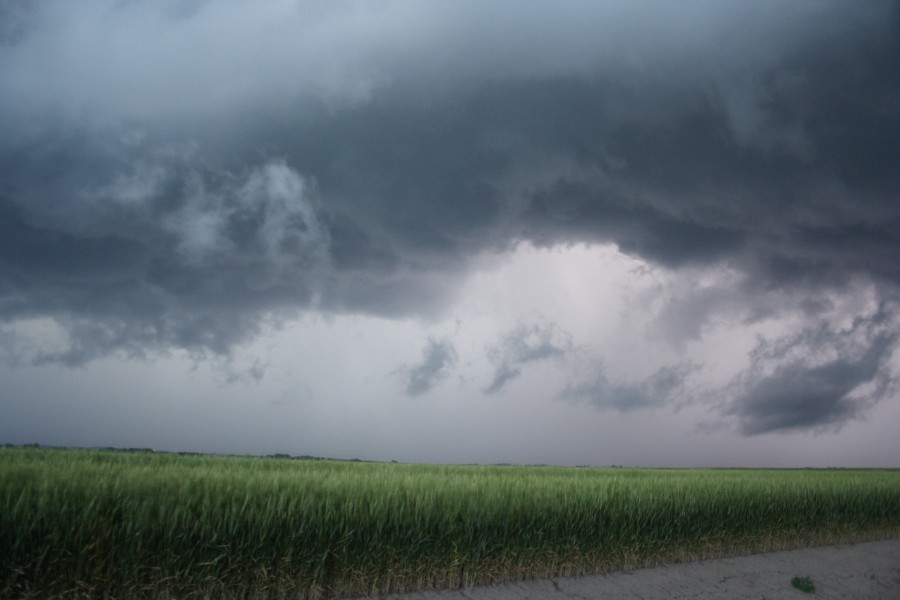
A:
(102, 524)
(804, 584)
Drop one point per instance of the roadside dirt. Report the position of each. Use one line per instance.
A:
(867, 571)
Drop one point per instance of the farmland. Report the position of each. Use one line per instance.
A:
(95, 523)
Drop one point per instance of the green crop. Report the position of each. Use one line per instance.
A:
(94, 524)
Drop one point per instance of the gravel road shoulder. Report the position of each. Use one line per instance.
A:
(868, 570)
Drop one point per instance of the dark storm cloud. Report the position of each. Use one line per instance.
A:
(188, 268)
(817, 379)
(172, 172)
(523, 345)
(665, 386)
(437, 358)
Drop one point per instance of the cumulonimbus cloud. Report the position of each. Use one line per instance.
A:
(175, 173)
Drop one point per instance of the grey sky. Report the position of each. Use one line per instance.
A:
(677, 197)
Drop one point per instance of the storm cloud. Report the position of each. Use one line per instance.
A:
(181, 175)
(817, 379)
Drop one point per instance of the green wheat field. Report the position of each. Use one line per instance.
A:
(118, 524)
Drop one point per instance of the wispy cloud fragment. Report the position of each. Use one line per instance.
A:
(438, 358)
(526, 344)
(665, 386)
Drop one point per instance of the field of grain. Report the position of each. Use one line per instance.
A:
(92, 523)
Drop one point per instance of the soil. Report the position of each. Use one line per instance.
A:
(868, 571)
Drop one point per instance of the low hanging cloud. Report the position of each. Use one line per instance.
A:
(438, 358)
(524, 345)
(818, 379)
(664, 387)
(172, 175)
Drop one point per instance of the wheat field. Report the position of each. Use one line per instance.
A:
(115, 524)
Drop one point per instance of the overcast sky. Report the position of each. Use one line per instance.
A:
(602, 232)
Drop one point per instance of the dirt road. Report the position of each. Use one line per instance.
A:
(866, 571)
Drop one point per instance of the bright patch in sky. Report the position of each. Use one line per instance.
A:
(528, 331)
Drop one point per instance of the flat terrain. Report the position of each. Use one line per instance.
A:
(140, 524)
(867, 571)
